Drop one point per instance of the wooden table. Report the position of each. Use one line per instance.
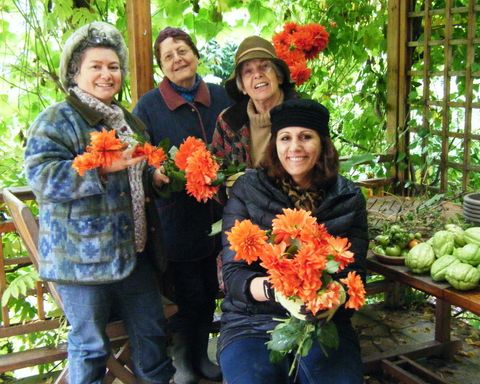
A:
(443, 344)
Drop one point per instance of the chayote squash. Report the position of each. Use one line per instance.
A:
(469, 254)
(458, 234)
(472, 235)
(420, 258)
(439, 267)
(462, 276)
(443, 243)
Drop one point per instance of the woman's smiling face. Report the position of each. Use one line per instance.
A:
(100, 74)
(298, 150)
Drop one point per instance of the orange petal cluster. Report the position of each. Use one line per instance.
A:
(356, 290)
(296, 257)
(247, 240)
(187, 148)
(155, 156)
(296, 44)
(200, 171)
(104, 148)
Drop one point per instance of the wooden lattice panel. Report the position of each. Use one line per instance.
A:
(434, 75)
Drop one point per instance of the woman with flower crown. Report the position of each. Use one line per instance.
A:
(299, 170)
(93, 240)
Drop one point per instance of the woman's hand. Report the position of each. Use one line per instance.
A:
(122, 162)
(159, 178)
(257, 289)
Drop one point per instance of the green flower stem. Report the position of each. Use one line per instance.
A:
(308, 328)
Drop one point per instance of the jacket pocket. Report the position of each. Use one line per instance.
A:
(89, 240)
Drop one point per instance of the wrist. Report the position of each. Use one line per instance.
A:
(268, 290)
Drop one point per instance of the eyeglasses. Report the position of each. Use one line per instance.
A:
(181, 52)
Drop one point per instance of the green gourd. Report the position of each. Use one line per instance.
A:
(439, 267)
(443, 243)
(472, 235)
(462, 276)
(469, 254)
(420, 258)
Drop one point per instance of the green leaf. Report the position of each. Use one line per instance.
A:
(332, 266)
(327, 335)
(216, 228)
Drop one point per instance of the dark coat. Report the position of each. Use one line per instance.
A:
(256, 197)
(185, 223)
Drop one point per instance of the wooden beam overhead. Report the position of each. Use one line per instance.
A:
(140, 47)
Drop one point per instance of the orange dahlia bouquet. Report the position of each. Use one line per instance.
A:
(191, 166)
(301, 259)
(296, 44)
(105, 147)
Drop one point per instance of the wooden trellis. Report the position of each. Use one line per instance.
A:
(434, 84)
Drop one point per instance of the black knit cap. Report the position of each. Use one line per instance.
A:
(300, 113)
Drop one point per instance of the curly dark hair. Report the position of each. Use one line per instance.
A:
(175, 34)
(324, 173)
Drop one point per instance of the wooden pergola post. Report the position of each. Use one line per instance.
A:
(397, 87)
(140, 47)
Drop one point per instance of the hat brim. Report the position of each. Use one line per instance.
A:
(231, 83)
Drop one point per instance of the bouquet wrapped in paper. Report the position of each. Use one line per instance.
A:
(301, 260)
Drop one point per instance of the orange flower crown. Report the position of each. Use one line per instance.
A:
(300, 257)
(296, 44)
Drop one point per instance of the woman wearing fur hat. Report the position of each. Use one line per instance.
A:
(184, 105)
(93, 239)
(299, 170)
(259, 82)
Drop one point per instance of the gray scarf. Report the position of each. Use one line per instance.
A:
(114, 118)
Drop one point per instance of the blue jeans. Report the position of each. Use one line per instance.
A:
(137, 301)
(246, 361)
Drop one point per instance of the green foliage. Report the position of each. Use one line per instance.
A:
(20, 285)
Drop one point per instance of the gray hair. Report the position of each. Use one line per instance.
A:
(94, 35)
(276, 68)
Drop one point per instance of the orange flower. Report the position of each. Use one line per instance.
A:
(104, 141)
(326, 299)
(294, 223)
(85, 162)
(106, 145)
(200, 172)
(300, 73)
(155, 156)
(186, 149)
(339, 249)
(356, 290)
(247, 240)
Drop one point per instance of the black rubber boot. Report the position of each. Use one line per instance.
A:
(201, 362)
(182, 354)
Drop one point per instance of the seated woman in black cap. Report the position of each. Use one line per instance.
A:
(299, 170)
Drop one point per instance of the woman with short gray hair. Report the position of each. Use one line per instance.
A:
(93, 240)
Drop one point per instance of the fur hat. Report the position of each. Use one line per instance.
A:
(256, 47)
(96, 34)
(300, 113)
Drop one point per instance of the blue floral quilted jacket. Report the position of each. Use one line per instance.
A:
(86, 227)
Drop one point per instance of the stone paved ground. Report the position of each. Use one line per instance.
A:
(383, 330)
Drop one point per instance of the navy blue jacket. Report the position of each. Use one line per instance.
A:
(256, 197)
(185, 223)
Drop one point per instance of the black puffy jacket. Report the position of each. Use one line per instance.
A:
(256, 197)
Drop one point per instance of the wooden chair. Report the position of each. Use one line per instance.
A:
(27, 227)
